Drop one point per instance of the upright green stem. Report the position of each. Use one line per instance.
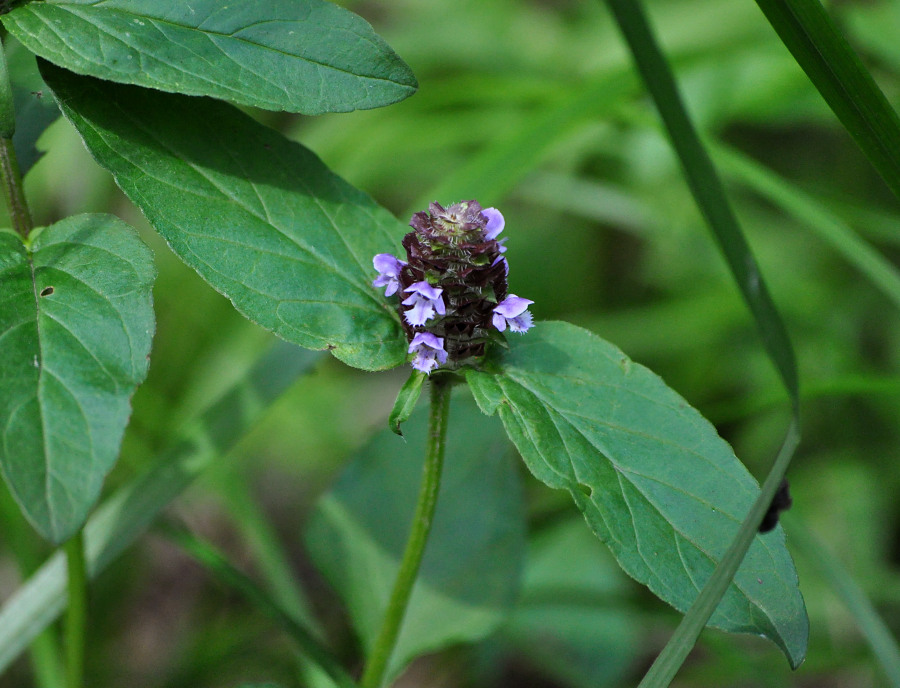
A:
(12, 187)
(418, 537)
(46, 658)
(76, 613)
(9, 166)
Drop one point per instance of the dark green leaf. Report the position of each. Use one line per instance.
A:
(7, 113)
(259, 217)
(470, 571)
(307, 56)
(406, 401)
(76, 322)
(846, 85)
(654, 480)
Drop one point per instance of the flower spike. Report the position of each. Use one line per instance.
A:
(453, 287)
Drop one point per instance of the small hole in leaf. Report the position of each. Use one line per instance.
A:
(586, 489)
(46, 291)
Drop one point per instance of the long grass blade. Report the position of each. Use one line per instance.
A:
(127, 514)
(859, 253)
(846, 85)
(216, 563)
(706, 187)
(262, 540)
(709, 194)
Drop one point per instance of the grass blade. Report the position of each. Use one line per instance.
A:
(878, 269)
(127, 514)
(206, 555)
(706, 187)
(271, 558)
(709, 194)
(836, 71)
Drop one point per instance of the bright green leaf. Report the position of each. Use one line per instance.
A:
(76, 322)
(307, 56)
(257, 216)
(652, 477)
(470, 571)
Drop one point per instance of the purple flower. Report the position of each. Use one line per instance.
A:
(388, 272)
(513, 311)
(429, 351)
(495, 223)
(425, 301)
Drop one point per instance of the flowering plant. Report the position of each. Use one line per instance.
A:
(264, 222)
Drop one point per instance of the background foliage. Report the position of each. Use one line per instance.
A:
(534, 108)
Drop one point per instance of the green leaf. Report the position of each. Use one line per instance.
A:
(76, 322)
(34, 104)
(257, 216)
(470, 571)
(831, 64)
(7, 113)
(307, 56)
(652, 477)
(406, 401)
(127, 514)
(35, 111)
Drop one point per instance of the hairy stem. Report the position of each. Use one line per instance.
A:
(9, 166)
(12, 186)
(373, 676)
(76, 613)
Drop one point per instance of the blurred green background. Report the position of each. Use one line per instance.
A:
(533, 107)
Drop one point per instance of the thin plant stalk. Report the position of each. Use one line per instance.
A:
(46, 658)
(377, 664)
(76, 613)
